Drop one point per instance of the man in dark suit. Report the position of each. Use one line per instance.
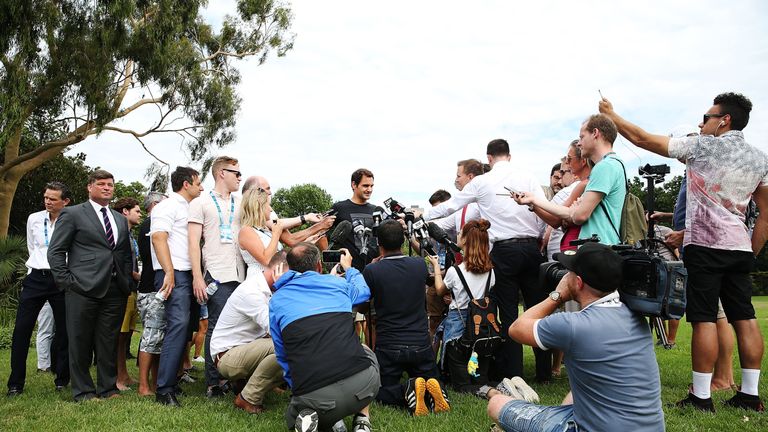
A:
(90, 258)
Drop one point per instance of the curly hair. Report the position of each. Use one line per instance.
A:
(735, 105)
(477, 258)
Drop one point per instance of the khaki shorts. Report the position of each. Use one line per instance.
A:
(131, 315)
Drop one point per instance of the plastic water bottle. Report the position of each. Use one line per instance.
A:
(212, 287)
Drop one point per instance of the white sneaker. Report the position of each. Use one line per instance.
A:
(529, 394)
(507, 387)
(339, 426)
(307, 421)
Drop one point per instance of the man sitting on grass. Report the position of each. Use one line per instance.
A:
(612, 367)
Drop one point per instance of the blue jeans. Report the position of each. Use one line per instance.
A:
(177, 322)
(521, 416)
(416, 361)
(215, 305)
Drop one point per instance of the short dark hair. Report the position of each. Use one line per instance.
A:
(471, 166)
(735, 105)
(99, 174)
(127, 203)
(440, 195)
(303, 257)
(278, 258)
(605, 125)
(390, 235)
(555, 167)
(181, 175)
(498, 147)
(359, 173)
(58, 186)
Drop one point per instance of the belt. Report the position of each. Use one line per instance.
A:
(518, 240)
(217, 357)
(43, 272)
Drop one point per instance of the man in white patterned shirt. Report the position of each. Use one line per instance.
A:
(723, 174)
(39, 287)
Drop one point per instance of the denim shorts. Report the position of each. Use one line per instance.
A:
(519, 416)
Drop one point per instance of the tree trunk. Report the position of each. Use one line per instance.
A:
(8, 185)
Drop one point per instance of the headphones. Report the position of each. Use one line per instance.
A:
(722, 123)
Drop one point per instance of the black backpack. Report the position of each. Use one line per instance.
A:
(482, 332)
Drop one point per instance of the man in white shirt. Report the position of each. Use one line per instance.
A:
(241, 346)
(214, 218)
(39, 288)
(466, 170)
(515, 234)
(173, 276)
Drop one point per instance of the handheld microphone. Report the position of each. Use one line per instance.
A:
(423, 237)
(441, 236)
(394, 206)
(409, 219)
(341, 232)
(377, 217)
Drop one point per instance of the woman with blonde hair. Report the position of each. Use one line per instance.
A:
(477, 270)
(259, 235)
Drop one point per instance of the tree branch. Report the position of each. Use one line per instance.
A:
(128, 110)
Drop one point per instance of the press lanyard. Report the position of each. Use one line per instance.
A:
(45, 230)
(135, 246)
(231, 209)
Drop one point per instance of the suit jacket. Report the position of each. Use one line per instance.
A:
(79, 254)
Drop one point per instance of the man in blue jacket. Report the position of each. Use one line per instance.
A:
(330, 373)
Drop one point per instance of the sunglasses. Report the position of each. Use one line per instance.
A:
(237, 173)
(709, 116)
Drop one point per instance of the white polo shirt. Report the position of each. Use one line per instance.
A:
(171, 216)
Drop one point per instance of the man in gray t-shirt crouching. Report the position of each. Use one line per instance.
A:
(612, 367)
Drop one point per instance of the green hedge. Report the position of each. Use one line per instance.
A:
(760, 283)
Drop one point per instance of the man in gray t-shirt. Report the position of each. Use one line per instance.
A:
(612, 367)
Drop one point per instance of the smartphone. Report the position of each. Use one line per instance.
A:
(512, 191)
(601, 94)
(331, 212)
(332, 256)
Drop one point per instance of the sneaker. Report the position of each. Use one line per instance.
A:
(339, 426)
(747, 402)
(199, 359)
(414, 396)
(440, 398)
(482, 392)
(528, 393)
(187, 378)
(307, 421)
(507, 387)
(698, 403)
(214, 392)
(361, 423)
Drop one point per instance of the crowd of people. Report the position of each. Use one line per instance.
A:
(221, 269)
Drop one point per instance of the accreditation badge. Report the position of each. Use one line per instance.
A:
(225, 234)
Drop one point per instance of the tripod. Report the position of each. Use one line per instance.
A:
(654, 174)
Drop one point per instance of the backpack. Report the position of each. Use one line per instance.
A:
(482, 332)
(633, 226)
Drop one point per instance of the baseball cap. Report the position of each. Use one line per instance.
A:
(598, 265)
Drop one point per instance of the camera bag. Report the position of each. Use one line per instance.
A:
(482, 332)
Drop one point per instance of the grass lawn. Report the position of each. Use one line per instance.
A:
(40, 408)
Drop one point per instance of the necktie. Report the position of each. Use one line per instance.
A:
(108, 228)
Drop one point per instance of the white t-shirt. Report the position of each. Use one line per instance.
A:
(476, 282)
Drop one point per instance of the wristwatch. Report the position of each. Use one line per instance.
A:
(554, 295)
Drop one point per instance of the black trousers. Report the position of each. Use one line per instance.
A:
(93, 324)
(416, 361)
(37, 288)
(516, 266)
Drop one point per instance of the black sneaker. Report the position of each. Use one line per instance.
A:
(698, 403)
(747, 402)
(415, 388)
(439, 396)
(307, 421)
(214, 392)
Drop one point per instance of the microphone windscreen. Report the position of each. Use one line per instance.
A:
(342, 231)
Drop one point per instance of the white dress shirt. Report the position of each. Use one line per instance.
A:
(171, 216)
(97, 208)
(508, 219)
(37, 240)
(452, 224)
(245, 317)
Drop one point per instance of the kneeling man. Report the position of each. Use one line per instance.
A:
(331, 374)
(612, 367)
(240, 344)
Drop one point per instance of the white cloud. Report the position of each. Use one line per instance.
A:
(408, 88)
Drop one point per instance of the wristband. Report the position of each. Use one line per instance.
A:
(303, 219)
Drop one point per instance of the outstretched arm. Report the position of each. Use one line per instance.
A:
(658, 144)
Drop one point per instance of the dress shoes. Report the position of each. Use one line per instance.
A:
(167, 399)
(247, 406)
(14, 391)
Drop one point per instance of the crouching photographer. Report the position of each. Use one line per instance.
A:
(612, 367)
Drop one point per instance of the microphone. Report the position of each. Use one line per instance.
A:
(423, 237)
(377, 217)
(409, 222)
(394, 206)
(359, 229)
(441, 236)
(341, 232)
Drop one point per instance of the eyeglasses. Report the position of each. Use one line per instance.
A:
(709, 116)
(237, 173)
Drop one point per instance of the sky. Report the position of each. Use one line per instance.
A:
(407, 89)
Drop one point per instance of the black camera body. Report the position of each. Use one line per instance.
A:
(650, 286)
